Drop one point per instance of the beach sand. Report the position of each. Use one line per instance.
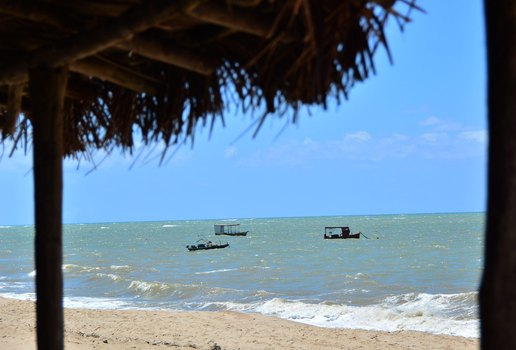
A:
(132, 329)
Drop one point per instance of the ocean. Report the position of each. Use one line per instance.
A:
(415, 272)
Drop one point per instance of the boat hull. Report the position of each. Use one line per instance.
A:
(353, 236)
(193, 248)
(232, 234)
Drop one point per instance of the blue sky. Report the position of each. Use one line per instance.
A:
(411, 139)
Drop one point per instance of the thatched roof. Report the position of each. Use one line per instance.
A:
(163, 66)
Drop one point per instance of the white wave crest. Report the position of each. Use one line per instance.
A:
(424, 313)
(250, 268)
(215, 271)
(111, 276)
(78, 268)
(244, 268)
(19, 296)
(96, 303)
(121, 267)
(460, 306)
(148, 288)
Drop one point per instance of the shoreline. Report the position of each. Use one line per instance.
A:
(204, 330)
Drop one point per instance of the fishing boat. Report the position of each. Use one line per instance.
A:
(229, 230)
(203, 244)
(339, 232)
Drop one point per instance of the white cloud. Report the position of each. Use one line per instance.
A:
(479, 136)
(434, 138)
(358, 136)
(450, 140)
(309, 142)
(430, 121)
(399, 137)
(364, 147)
(437, 124)
(230, 152)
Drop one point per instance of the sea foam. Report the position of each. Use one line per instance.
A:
(425, 313)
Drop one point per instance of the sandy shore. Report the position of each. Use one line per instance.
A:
(108, 329)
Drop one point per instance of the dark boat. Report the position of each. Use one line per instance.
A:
(229, 230)
(343, 234)
(203, 244)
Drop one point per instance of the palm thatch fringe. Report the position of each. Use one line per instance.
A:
(161, 67)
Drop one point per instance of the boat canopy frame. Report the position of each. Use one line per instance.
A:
(330, 228)
(231, 228)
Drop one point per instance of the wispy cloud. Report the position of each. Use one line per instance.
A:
(438, 124)
(230, 152)
(438, 140)
(361, 136)
(478, 136)
(434, 138)
(430, 121)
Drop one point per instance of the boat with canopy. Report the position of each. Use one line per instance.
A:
(229, 230)
(339, 232)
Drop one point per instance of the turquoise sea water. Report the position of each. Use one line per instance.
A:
(416, 272)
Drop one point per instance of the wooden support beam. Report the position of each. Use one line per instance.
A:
(47, 87)
(39, 12)
(237, 19)
(497, 297)
(99, 8)
(109, 71)
(117, 74)
(168, 53)
(76, 47)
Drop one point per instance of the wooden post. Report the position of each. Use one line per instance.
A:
(498, 289)
(47, 88)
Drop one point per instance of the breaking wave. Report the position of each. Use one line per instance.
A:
(451, 314)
